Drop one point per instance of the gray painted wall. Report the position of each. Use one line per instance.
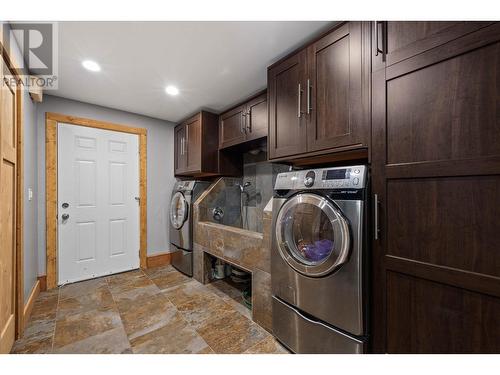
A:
(160, 170)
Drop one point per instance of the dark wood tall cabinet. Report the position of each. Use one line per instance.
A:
(436, 187)
(319, 96)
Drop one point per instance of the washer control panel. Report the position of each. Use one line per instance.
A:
(353, 177)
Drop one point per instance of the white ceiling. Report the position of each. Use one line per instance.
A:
(214, 64)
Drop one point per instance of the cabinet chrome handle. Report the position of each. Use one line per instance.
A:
(249, 121)
(299, 112)
(182, 146)
(377, 47)
(376, 228)
(309, 87)
(243, 126)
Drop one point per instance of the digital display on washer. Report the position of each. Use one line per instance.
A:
(337, 174)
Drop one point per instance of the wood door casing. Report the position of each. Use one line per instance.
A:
(193, 144)
(256, 117)
(287, 122)
(231, 127)
(436, 171)
(8, 204)
(335, 71)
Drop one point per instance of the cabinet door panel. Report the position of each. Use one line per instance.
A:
(460, 232)
(446, 110)
(179, 149)
(335, 74)
(256, 118)
(231, 127)
(429, 317)
(287, 127)
(193, 141)
(400, 40)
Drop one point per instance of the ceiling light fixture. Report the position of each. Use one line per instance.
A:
(172, 90)
(91, 65)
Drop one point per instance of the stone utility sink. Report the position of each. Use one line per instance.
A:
(243, 248)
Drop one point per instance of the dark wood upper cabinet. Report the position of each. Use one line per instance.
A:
(256, 117)
(286, 84)
(436, 186)
(196, 151)
(180, 149)
(319, 97)
(193, 142)
(245, 122)
(335, 113)
(232, 127)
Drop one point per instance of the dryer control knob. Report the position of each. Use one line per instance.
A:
(309, 179)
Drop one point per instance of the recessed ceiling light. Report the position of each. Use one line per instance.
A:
(171, 90)
(91, 65)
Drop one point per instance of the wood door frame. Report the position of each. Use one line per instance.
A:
(51, 121)
(13, 65)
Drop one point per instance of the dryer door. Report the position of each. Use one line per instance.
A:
(178, 210)
(312, 235)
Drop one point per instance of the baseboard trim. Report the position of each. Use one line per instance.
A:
(157, 260)
(43, 283)
(28, 306)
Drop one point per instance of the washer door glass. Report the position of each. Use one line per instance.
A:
(312, 234)
(178, 210)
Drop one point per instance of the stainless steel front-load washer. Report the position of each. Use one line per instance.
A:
(184, 195)
(318, 260)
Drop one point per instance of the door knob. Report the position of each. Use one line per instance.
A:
(65, 205)
(65, 216)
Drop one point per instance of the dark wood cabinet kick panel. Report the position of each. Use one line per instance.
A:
(454, 222)
(431, 116)
(428, 317)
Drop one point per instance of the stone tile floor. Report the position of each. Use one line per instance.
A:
(157, 310)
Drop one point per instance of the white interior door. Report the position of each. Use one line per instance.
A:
(98, 182)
